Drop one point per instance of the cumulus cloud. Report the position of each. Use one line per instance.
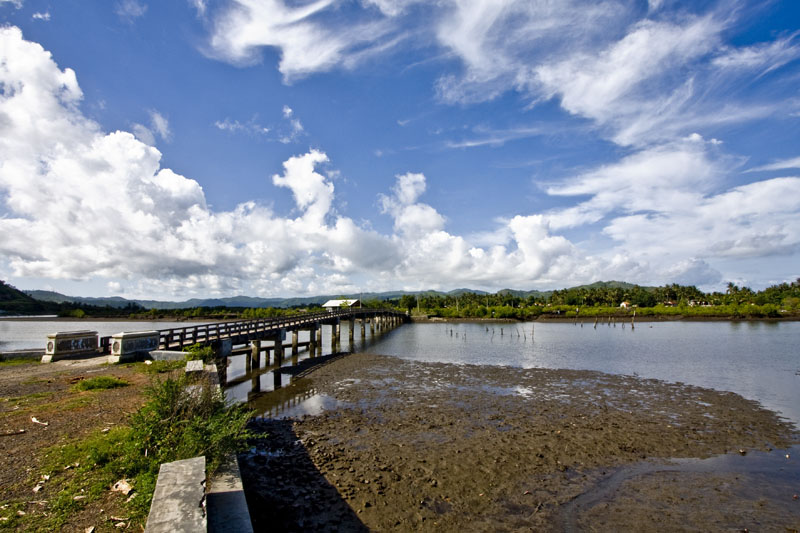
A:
(82, 203)
(668, 205)
(41, 16)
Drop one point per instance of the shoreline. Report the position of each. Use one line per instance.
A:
(602, 319)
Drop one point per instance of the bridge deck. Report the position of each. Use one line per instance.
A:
(243, 331)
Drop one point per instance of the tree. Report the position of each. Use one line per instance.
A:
(408, 302)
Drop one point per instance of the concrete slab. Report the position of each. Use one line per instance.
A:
(167, 355)
(194, 366)
(225, 501)
(179, 497)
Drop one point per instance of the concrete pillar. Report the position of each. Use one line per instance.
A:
(294, 342)
(255, 353)
(351, 333)
(278, 351)
(372, 326)
(312, 340)
(319, 339)
(363, 328)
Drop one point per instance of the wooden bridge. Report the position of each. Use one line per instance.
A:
(224, 336)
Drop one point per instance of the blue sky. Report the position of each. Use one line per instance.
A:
(277, 148)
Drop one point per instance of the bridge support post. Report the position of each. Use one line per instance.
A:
(294, 342)
(255, 353)
(351, 333)
(278, 348)
(372, 326)
(363, 328)
(312, 340)
(319, 339)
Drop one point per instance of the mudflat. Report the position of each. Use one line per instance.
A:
(412, 446)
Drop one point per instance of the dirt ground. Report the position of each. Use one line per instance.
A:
(44, 392)
(418, 446)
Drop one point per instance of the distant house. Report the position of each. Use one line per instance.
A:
(332, 305)
(625, 305)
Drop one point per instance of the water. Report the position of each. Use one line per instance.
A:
(758, 360)
(24, 334)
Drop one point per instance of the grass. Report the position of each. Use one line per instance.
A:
(16, 400)
(157, 367)
(100, 383)
(17, 361)
(181, 419)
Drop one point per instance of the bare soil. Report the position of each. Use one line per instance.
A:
(417, 446)
(44, 392)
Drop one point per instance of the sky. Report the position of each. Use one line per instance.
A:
(210, 148)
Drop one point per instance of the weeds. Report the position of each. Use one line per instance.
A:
(180, 419)
(158, 367)
(200, 351)
(100, 383)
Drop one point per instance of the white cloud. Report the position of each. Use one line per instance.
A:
(306, 45)
(16, 3)
(130, 9)
(200, 6)
(113, 212)
(159, 126)
(765, 57)
(41, 16)
(83, 203)
(779, 165)
(234, 126)
(295, 127)
(667, 207)
(144, 134)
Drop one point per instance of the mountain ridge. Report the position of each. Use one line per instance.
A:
(297, 301)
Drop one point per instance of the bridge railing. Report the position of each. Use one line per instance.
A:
(206, 333)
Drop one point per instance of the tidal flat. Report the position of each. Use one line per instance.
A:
(409, 445)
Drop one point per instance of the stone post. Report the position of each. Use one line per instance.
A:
(294, 342)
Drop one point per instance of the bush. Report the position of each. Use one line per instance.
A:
(200, 351)
(181, 419)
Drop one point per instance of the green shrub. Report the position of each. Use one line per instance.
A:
(179, 421)
(181, 418)
(100, 383)
(200, 351)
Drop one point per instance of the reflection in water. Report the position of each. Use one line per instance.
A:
(758, 360)
(269, 386)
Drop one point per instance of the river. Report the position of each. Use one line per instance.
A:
(758, 360)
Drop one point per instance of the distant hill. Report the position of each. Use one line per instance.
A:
(119, 302)
(16, 302)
